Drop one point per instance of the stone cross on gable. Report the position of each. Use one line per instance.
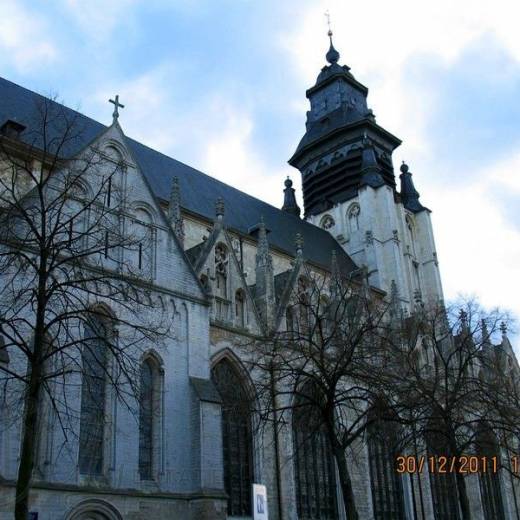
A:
(117, 106)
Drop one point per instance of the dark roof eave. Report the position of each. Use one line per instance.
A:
(362, 122)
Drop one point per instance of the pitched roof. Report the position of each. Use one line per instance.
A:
(198, 190)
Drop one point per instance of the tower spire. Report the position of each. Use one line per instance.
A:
(409, 195)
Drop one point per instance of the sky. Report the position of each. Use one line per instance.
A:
(220, 85)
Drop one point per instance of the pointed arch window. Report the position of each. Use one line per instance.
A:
(490, 488)
(236, 437)
(314, 469)
(327, 222)
(144, 242)
(150, 417)
(443, 485)
(386, 484)
(93, 396)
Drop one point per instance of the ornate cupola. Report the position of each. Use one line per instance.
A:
(341, 136)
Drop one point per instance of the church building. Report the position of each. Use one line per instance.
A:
(225, 265)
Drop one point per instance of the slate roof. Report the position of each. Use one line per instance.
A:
(198, 190)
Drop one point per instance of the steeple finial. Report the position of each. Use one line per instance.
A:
(503, 328)
(332, 55)
(174, 210)
(262, 252)
(298, 243)
(289, 200)
(219, 208)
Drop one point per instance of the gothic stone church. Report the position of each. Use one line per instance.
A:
(233, 263)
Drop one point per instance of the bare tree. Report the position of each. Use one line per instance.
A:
(320, 366)
(68, 255)
(442, 374)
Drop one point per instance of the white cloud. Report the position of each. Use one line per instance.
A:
(25, 41)
(98, 18)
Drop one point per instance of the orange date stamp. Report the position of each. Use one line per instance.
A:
(440, 464)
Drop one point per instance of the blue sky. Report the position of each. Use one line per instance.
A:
(221, 86)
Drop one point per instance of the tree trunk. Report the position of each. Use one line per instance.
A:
(30, 433)
(463, 497)
(345, 483)
(29, 440)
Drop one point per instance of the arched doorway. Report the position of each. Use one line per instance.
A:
(94, 510)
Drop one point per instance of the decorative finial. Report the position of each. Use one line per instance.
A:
(298, 242)
(219, 208)
(117, 106)
(485, 333)
(174, 210)
(463, 317)
(503, 328)
(417, 296)
(332, 55)
(404, 168)
(289, 201)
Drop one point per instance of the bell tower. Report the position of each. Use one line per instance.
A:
(349, 187)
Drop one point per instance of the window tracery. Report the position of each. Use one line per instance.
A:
(490, 488)
(236, 437)
(315, 476)
(386, 483)
(93, 396)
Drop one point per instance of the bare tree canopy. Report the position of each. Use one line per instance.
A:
(349, 364)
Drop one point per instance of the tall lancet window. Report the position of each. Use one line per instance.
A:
(314, 466)
(353, 217)
(93, 396)
(386, 483)
(236, 437)
(240, 308)
(443, 485)
(490, 489)
(304, 307)
(149, 419)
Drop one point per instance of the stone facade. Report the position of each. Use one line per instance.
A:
(224, 287)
